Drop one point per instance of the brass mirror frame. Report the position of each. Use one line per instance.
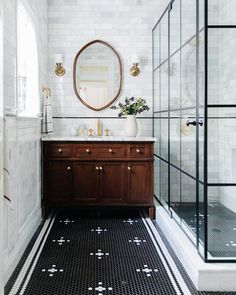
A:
(74, 75)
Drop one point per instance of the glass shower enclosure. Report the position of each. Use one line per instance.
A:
(194, 111)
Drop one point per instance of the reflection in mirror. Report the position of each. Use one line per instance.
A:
(97, 75)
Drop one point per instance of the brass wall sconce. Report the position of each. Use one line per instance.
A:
(135, 70)
(59, 70)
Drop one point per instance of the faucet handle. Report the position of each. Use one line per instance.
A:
(107, 132)
(90, 132)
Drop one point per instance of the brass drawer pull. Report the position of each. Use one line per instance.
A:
(59, 150)
(68, 168)
(138, 150)
(110, 150)
(129, 168)
(97, 168)
(87, 151)
(100, 168)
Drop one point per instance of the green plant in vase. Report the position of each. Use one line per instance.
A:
(130, 109)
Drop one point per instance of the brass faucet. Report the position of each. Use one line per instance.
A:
(91, 132)
(107, 132)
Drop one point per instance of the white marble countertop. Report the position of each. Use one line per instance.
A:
(98, 138)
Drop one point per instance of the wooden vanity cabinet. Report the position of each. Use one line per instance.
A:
(98, 174)
(58, 182)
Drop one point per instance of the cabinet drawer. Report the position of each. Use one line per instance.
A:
(58, 150)
(99, 151)
(139, 151)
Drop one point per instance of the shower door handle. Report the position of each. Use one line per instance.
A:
(200, 122)
(194, 123)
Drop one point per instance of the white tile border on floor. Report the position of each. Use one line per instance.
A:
(37, 248)
(165, 253)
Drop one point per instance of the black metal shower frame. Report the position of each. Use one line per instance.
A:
(206, 106)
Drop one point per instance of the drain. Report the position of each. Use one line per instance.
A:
(216, 230)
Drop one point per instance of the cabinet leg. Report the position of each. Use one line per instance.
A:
(151, 212)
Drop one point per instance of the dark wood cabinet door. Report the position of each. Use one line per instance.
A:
(112, 182)
(138, 182)
(86, 182)
(58, 180)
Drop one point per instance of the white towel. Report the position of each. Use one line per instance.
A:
(47, 123)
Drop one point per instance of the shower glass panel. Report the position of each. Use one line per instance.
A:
(194, 45)
(188, 205)
(175, 141)
(175, 192)
(157, 179)
(164, 28)
(188, 21)
(164, 88)
(164, 183)
(157, 90)
(156, 43)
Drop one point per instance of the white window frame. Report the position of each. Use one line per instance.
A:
(35, 111)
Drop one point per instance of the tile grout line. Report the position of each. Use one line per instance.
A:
(46, 228)
(153, 233)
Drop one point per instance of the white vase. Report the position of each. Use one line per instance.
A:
(131, 126)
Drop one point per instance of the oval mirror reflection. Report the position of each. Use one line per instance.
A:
(97, 75)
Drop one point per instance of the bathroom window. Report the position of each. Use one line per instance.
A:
(27, 65)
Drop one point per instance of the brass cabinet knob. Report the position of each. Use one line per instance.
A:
(68, 168)
(100, 168)
(59, 150)
(110, 150)
(129, 168)
(87, 150)
(97, 168)
(138, 150)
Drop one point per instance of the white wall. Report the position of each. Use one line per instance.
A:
(1, 155)
(22, 140)
(127, 26)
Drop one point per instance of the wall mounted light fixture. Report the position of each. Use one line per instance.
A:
(135, 70)
(59, 71)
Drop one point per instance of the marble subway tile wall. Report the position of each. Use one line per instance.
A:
(126, 25)
(227, 94)
(22, 139)
(116, 126)
(213, 98)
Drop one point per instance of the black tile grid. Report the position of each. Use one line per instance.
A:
(181, 269)
(124, 284)
(79, 273)
(221, 227)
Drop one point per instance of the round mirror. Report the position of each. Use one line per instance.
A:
(97, 75)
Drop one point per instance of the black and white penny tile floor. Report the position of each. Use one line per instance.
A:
(98, 253)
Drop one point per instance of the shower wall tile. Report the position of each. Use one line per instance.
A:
(222, 84)
(126, 25)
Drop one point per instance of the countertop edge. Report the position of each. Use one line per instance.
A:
(103, 139)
